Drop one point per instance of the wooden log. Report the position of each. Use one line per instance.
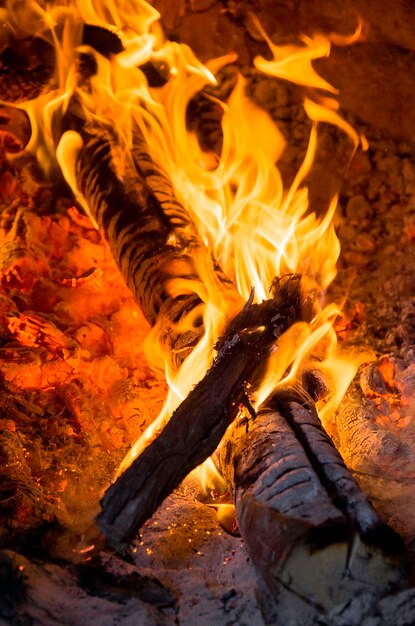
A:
(197, 426)
(27, 65)
(26, 69)
(152, 238)
(298, 409)
(204, 113)
(149, 232)
(310, 530)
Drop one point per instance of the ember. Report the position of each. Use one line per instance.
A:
(158, 226)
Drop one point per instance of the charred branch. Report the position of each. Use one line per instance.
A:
(299, 411)
(197, 426)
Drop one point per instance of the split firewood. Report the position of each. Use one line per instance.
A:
(197, 426)
(310, 530)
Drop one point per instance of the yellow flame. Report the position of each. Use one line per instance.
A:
(294, 63)
(255, 227)
(66, 154)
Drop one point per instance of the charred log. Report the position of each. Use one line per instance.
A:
(15, 129)
(26, 69)
(152, 238)
(310, 530)
(103, 590)
(299, 411)
(197, 426)
(27, 66)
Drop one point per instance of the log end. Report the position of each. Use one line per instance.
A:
(317, 571)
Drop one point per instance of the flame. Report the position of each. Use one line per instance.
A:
(294, 63)
(255, 227)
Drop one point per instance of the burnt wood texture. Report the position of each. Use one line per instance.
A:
(26, 69)
(28, 64)
(150, 233)
(197, 426)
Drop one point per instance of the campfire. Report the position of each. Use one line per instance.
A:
(207, 354)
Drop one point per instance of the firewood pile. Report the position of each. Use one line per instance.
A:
(78, 389)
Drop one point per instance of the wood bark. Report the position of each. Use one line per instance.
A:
(197, 426)
(310, 530)
(149, 232)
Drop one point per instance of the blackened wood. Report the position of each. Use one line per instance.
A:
(26, 69)
(197, 426)
(309, 528)
(315, 383)
(99, 580)
(27, 66)
(149, 232)
(15, 129)
(205, 110)
(102, 40)
(21, 85)
(299, 410)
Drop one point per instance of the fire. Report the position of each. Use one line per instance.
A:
(255, 228)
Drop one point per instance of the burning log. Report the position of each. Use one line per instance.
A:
(298, 507)
(152, 238)
(310, 530)
(15, 129)
(26, 69)
(197, 426)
